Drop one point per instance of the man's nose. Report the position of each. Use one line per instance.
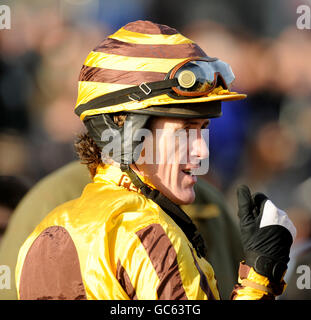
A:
(199, 144)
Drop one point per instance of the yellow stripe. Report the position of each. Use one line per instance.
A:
(138, 259)
(116, 62)
(89, 90)
(141, 38)
(189, 275)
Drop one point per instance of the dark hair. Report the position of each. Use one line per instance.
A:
(87, 150)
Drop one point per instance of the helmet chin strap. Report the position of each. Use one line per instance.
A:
(96, 125)
(173, 210)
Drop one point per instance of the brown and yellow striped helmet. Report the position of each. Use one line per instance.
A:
(140, 52)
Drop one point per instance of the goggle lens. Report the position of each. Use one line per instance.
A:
(199, 77)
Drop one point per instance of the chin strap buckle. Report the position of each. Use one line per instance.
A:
(144, 88)
(134, 97)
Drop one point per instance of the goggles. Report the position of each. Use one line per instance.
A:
(194, 77)
(198, 77)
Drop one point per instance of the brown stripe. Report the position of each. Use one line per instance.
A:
(244, 270)
(51, 269)
(118, 76)
(164, 51)
(125, 281)
(148, 27)
(255, 285)
(164, 260)
(203, 280)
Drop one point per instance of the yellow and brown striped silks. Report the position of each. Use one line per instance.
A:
(163, 257)
(203, 280)
(141, 51)
(113, 244)
(252, 284)
(125, 281)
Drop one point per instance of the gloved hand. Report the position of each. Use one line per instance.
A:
(266, 232)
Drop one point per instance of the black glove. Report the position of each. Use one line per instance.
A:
(266, 232)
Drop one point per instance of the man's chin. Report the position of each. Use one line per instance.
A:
(183, 196)
(184, 199)
(180, 203)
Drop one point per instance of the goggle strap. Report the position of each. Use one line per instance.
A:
(141, 92)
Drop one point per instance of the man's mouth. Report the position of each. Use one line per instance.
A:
(192, 178)
(188, 172)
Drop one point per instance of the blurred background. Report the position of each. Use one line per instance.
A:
(263, 141)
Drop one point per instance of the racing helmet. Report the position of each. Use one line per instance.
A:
(148, 69)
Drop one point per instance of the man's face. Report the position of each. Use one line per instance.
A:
(174, 149)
